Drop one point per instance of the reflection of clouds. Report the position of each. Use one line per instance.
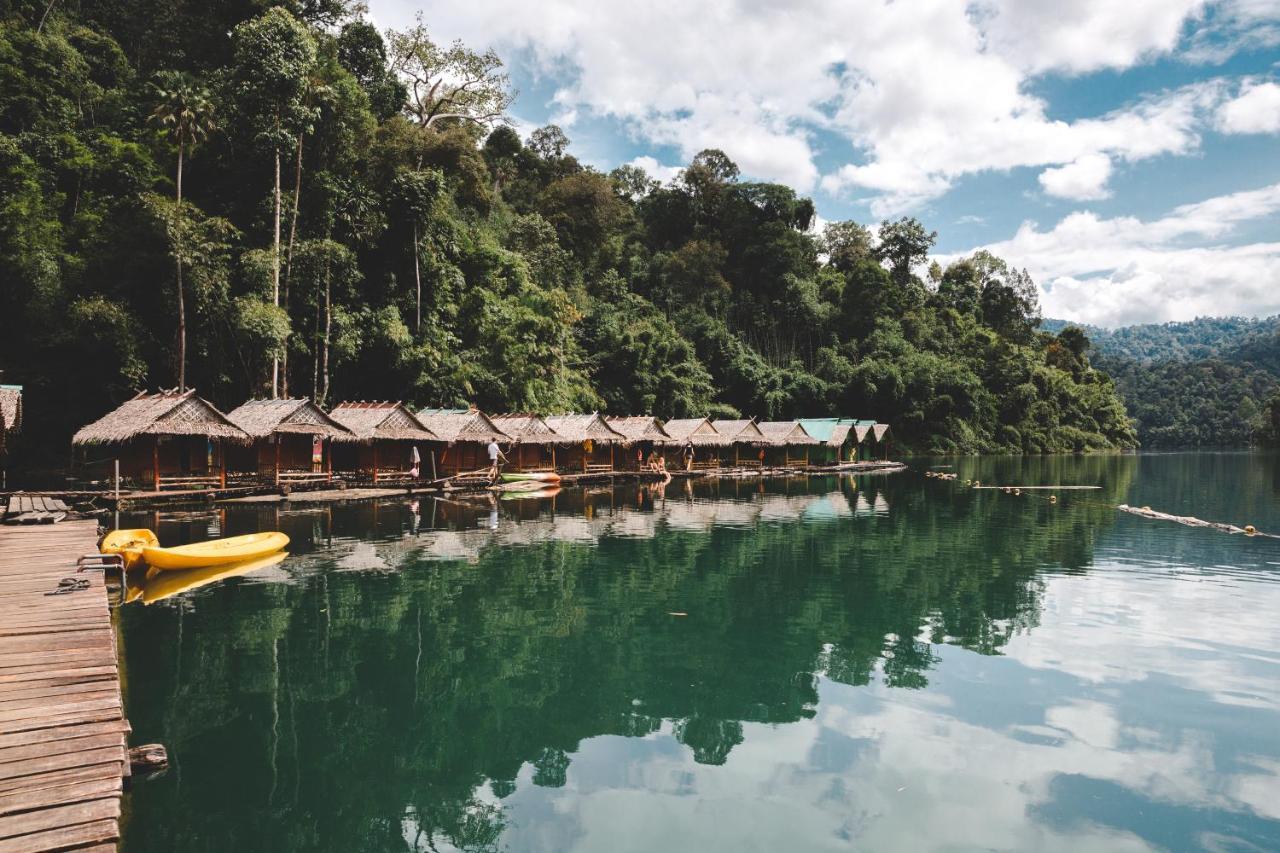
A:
(1115, 625)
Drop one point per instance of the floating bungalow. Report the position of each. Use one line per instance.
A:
(292, 442)
(387, 437)
(789, 443)
(872, 440)
(465, 434)
(168, 440)
(747, 440)
(532, 442)
(700, 435)
(836, 440)
(593, 443)
(643, 435)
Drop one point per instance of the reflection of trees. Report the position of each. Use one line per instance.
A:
(335, 712)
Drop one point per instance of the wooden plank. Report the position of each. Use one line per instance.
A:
(25, 662)
(63, 761)
(61, 747)
(58, 707)
(57, 795)
(61, 696)
(65, 674)
(44, 820)
(64, 839)
(94, 715)
(69, 731)
(49, 691)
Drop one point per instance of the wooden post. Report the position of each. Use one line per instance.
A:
(276, 438)
(375, 469)
(612, 463)
(117, 482)
(222, 463)
(553, 457)
(155, 461)
(433, 477)
(328, 456)
(585, 457)
(735, 455)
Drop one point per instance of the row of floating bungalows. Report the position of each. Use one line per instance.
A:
(178, 440)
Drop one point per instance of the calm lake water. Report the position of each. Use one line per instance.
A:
(871, 663)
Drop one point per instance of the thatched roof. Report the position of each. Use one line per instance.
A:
(530, 429)
(461, 425)
(10, 408)
(880, 431)
(261, 418)
(638, 427)
(839, 434)
(861, 429)
(741, 431)
(786, 433)
(381, 420)
(163, 413)
(577, 428)
(697, 431)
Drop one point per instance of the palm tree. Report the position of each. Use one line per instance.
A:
(184, 113)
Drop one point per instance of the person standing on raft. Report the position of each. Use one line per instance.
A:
(688, 455)
(495, 454)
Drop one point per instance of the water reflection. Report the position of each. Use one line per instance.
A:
(891, 663)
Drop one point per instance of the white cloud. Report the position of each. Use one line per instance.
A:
(1083, 179)
(1256, 110)
(657, 170)
(1125, 270)
(921, 92)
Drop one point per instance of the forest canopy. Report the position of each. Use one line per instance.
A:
(284, 200)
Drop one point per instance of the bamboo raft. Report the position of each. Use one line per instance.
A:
(63, 750)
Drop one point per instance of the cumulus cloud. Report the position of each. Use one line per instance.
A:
(1083, 179)
(919, 93)
(1255, 110)
(1121, 270)
(657, 170)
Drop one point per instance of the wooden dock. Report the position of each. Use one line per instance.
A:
(63, 749)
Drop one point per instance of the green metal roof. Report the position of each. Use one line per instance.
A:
(820, 428)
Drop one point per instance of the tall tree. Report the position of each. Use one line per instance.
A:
(273, 56)
(184, 113)
(451, 82)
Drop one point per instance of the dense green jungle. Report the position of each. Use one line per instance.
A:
(258, 198)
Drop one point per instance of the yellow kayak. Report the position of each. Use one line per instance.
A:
(219, 552)
(161, 585)
(128, 544)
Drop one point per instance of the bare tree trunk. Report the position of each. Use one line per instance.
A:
(288, 257)
(47, 10)
(417, 278)
(275, 270)
(182, 307)
(328, 328)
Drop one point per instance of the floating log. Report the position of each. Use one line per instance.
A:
(149, 758)
(1192, 521)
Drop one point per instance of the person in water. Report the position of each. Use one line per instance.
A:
(495, 457)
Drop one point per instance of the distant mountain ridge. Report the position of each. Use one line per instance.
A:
(1201, 383)
(1230, 338)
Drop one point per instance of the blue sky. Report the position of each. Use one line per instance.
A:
(1126, 153)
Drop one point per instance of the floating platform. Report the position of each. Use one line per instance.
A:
(63, 750)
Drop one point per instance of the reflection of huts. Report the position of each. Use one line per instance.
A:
(747, 440)
(466, 434)
(10, 415)
(386, 435)
(697, 434)
(643, 435)
(291, 441)
(789, 443)
(533, 442)
(171, 439)
(594, 442)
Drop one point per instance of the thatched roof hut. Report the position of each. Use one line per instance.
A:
(698, 431)
(579, 428)
(861, 429)
(10, 413)
(160, 414)
(261, 418)
(788, 433)
(639, 427)
(741, 431)
(385, 420)
(461, 425)
(879, 431)
(531, 429)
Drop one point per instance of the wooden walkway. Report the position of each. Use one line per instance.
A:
(63, 750)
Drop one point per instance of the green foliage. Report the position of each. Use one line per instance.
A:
(539, 283)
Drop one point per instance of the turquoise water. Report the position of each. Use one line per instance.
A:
(871, 663)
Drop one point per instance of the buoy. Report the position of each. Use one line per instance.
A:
(1249, 530)
(1053, 499)
(1017, 491)
(1146, 509)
